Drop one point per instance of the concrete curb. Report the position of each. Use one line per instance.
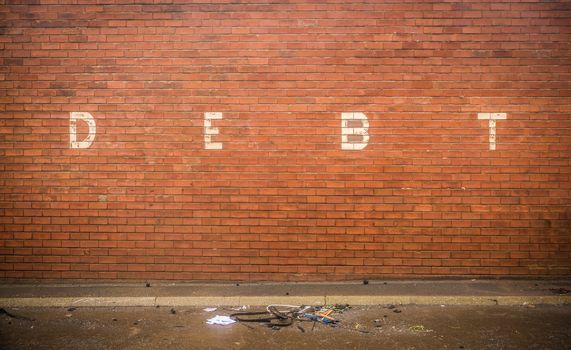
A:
(292, 300)
(85, 302)
(448, 300)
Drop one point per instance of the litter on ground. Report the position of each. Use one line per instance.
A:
(220, 320)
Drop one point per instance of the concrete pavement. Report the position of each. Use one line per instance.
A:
(419, 292)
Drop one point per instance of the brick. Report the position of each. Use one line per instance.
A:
(281, 200)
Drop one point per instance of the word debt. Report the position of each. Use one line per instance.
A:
(354, 130)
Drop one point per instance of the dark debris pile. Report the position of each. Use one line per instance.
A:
(278, 316)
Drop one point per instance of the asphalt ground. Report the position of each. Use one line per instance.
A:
(359, 327)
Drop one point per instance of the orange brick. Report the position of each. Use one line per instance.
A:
(282, 200)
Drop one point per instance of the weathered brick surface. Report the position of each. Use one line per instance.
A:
(282, 200)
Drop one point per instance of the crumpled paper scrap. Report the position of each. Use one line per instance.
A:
(220, 320)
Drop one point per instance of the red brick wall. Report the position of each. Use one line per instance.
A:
(282, 200)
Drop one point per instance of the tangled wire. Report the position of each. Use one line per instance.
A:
(273, 317)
